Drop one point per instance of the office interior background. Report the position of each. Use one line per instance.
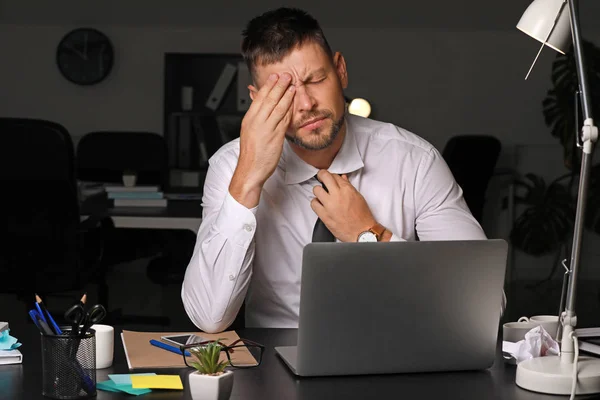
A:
(439, 69)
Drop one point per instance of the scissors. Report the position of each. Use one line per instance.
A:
(78, 316)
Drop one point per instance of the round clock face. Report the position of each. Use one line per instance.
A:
(85, 56)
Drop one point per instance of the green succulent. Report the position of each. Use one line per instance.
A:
(208, 359)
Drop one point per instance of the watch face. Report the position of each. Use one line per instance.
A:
(85, 56)
(367, 237)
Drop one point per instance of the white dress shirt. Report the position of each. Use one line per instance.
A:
(256, 254)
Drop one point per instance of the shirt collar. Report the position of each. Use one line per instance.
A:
(347, 160)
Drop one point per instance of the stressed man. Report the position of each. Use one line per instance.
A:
(301, 159)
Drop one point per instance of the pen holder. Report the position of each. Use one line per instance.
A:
(69, 365)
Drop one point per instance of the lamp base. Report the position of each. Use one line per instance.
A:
(549, 375)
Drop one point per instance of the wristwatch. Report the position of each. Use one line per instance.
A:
(373, 234)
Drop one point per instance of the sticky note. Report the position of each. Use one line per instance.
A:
(110, 386)
(156, 382)
(125, 379)
(8, 342)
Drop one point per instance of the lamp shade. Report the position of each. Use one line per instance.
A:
(540, 16)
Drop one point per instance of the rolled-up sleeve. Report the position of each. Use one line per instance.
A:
(219, 272)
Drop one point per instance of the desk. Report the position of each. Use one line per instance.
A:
(179, 214)
(273, 380)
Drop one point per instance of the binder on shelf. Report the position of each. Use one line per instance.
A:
(243, 81)
(218, 93)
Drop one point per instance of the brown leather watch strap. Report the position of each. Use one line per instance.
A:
(377, 230)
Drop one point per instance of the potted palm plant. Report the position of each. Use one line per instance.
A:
(546, 224)
(210, 381)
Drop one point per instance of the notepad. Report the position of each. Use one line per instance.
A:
(125, 379)
(156, 382)
(110, 386)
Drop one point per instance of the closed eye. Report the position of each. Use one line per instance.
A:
(317, 81)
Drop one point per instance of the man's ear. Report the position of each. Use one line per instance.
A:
(340, 68)
(252, 91)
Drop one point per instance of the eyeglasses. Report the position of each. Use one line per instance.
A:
(242, 353)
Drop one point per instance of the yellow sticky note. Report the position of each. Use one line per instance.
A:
(156, 382)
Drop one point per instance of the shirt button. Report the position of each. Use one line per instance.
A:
(231, 277)
(248, 228)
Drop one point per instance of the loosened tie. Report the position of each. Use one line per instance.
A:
(321, 233)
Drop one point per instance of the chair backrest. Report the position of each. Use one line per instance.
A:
(103, 156)
(39, 210)
(472, 160)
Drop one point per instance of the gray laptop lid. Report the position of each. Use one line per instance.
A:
(369, 308)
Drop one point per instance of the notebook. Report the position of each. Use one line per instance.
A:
(141, 354)
(10, 357)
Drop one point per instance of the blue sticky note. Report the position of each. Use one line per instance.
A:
(107, 386)
(125, 379)
(8, 342)
(110, 386)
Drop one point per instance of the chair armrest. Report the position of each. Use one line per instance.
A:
(94, 222)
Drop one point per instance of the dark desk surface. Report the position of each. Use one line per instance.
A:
(273, 380)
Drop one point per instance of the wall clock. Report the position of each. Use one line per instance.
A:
(85, 56)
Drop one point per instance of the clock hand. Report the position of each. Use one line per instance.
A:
(101, 60)
(85, 40)
(74, 50)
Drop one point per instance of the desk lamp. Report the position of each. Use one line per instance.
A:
(554, 22)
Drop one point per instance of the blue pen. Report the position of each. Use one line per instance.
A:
(41, 312)
(50, 321)
(167, 347)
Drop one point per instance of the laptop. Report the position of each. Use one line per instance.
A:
(398, 307)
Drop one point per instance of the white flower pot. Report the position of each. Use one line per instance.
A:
(129, 180)
(207, 387)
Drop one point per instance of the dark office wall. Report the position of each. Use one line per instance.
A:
(437, 68)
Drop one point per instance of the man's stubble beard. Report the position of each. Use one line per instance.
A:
(325, 140)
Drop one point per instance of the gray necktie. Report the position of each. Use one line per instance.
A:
(321, 233)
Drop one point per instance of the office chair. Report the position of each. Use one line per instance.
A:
(472, 159)
(46, 249)
(103, 157)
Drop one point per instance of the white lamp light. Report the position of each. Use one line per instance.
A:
(360, 107)
(547, 21)
(553, 22)
(544, 21)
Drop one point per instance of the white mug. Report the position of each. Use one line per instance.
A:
(105, 344)
(550, 323)
(515, 331)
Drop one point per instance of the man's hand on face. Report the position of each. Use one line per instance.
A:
(343, 210)
(262, 137)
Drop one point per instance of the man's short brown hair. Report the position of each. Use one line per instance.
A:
(271, 36)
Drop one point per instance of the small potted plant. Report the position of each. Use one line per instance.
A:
(129, 177)
(210, 381)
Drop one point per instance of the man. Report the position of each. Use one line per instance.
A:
(263, 193)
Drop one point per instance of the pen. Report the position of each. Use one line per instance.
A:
(83, 299)
(40, 324)
(167, 347)
(50, 321)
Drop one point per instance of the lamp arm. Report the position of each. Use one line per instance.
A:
(589, 136)
(580, 60)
